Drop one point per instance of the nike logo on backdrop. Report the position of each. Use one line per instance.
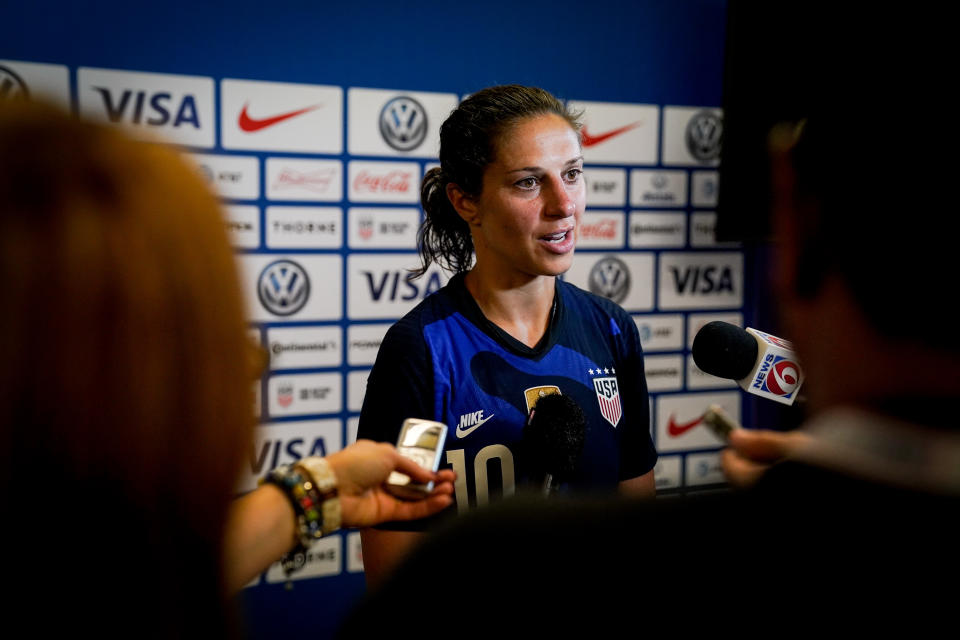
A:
(250, 125)
(589, 140)
(476, 419)
(675, 429)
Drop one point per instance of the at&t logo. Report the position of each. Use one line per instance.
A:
(283, 287)
(403, 123)
(610, 278)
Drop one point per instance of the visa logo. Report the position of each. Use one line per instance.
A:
(160, 108)
(695, 279)
(293, 450)
(398, 285)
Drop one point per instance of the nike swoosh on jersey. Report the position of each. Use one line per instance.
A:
(589, 140)
(463, 433)
(675, 429)
(249, 124)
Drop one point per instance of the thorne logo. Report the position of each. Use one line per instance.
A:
(178, 108)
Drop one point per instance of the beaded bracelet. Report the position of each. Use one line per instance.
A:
(315, 504)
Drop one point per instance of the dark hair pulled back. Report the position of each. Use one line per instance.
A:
(468, 143)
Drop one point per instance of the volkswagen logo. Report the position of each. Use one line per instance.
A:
(12, 86)
(704, 134)
(610, 278)
(283, 287)
(403, 123)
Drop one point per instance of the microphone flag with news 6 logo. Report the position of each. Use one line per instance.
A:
(761, 363)
(777, 375)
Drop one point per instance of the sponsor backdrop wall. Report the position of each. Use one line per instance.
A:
(315, 124)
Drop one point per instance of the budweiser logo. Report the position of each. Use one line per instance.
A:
(604, 229)
(317, 181)
(392, 182)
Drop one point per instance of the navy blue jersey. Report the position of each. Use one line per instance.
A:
(445, 361)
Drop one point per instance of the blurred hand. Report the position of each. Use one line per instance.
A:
(361, 470)
(753, 451)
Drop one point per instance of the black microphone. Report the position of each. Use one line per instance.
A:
(553, 440)
(762, 364)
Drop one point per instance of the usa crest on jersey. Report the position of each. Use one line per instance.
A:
(608, 397)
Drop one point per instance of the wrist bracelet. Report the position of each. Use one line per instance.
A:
(315, 502)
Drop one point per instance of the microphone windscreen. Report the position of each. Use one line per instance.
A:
(725, 350)
(554, 435)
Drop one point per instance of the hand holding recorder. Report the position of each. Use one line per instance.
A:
(363, 468)
(750, 452)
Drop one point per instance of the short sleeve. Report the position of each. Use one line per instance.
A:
(400, 385)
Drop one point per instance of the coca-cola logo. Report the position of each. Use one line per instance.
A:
(602, 229)
(392, 182)
(317, 181)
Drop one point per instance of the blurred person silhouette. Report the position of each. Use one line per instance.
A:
(126, 397)
(851, 529)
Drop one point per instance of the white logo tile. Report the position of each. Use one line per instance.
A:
(304, 180)
(243, 225)
(304, 347)
(379, 284)
(410, 120)
(658, 188)
(156, 106)
(298, 394)
(657, 229)
(34, 80)
(393, 228)
(601, 230)
(304, 227)
(285, 443)
(700, 280)
(383, 181)
(232, 177)
(619, 133)
(606, 187)
(281, 116)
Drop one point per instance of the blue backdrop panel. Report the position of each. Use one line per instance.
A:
(664, 57)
